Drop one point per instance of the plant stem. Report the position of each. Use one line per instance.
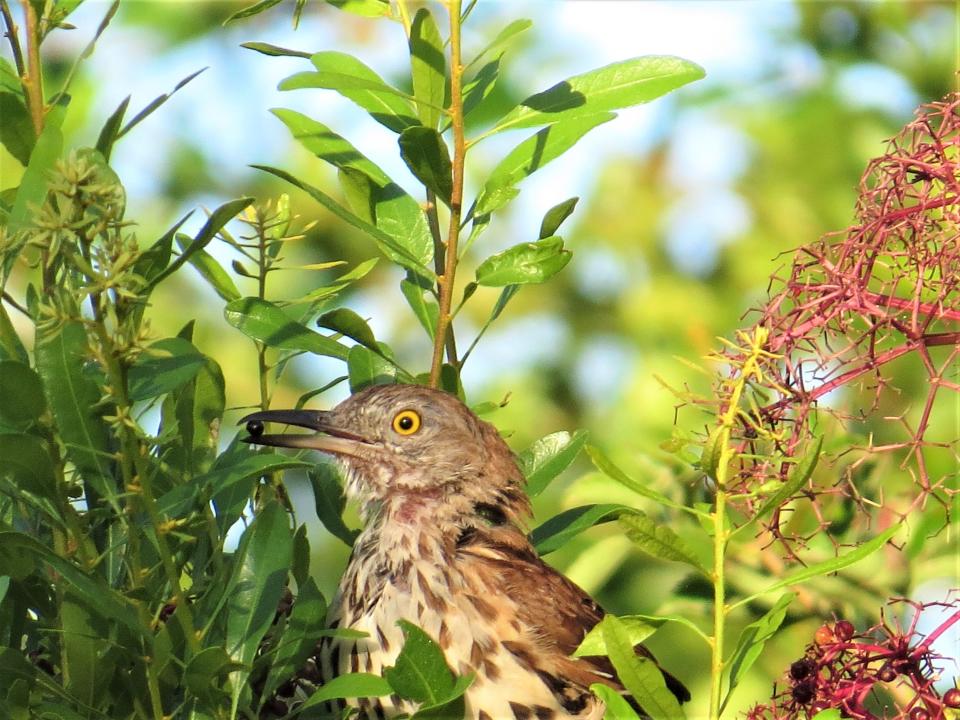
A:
(445, 282)
(32, 81)
(12, 37)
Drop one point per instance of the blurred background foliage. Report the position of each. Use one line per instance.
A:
(687, 206)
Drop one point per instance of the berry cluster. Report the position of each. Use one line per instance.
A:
(885, 672)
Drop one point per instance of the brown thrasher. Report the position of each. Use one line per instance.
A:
(443, 503)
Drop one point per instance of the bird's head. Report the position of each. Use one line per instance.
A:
(407, 439)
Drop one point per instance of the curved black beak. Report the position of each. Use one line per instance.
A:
(328, 438)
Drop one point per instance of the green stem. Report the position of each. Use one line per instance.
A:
(719, 604)
(445, 283)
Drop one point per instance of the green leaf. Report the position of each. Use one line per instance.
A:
(427, 156)
(211, 271)
(658, 540)
(606, 466)
(828, 714)
(156, 103)
(350, 685)
(798, 477)
(233, 474)
(639, 675)
(218, 218)
(26, 460)
(197, 410)
(251, 10)
(73, 391)
(92, 590)
(86, 662)
(358, 190)
(480, 86)
(752, 640)
(827, 566)
(363, 8)
(561, 528)
(274, 50)
(154, 260)
(111, 129)
(420, 673)
(329, 501)
(355, 81)
(398, 216)
(619, 85)
(163, 367)
(299, 637)
(260, 575)
(345, 280)
(10, 346)
(426, 311)
(348, 323)
(637, 628)
(206, 671)
(16, 130)
(22, 393)
(514, 28)
(429, 67)
(548, 457)
(390, 247)
(616, 707)
(531, 155)
(555, 216)
(265, 322)
(366, 368)
(713, 450)
(525, 263)
(46, 151)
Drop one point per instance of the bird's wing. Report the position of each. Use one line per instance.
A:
(554, 614)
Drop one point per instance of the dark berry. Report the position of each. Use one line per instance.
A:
(919, 713)
(844, 630)
(255, 428)
(803, 693)
(887, 673)
(951, 698)
(802, 668)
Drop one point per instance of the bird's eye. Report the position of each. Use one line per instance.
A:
(406, 422)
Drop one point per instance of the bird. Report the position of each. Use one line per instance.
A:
(444, 509)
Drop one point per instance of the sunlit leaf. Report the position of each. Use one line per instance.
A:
(429, 67)
(348, 323)
(548, 457)
(531, 155)
(619, 85)
(265, 322)
(532, 262)
(636, 628)
(555, 216)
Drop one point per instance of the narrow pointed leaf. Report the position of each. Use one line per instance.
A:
(163, 367)
(211, 271)
(329, 502)
(260, 576)
(639, 675)
(616, 707)
(532, 154)
(797, 479)
(427, 156)
(251, 10)
(16, 130)
(658, 540)
(606, 466)
(619, 85)
(828, 566)
(480, 86)
(274, 50)
(156, 103)
(560, 529)
(11, 347)
(429, 67)
(426, 311)
(46, 151)
(509, 32)
(752, 640)
(351, 685)
(265, 322)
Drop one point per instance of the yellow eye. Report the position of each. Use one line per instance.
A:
(406, 422)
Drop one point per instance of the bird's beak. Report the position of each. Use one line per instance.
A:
(329, 438)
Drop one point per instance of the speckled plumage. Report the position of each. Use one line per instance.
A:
(443, 547)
